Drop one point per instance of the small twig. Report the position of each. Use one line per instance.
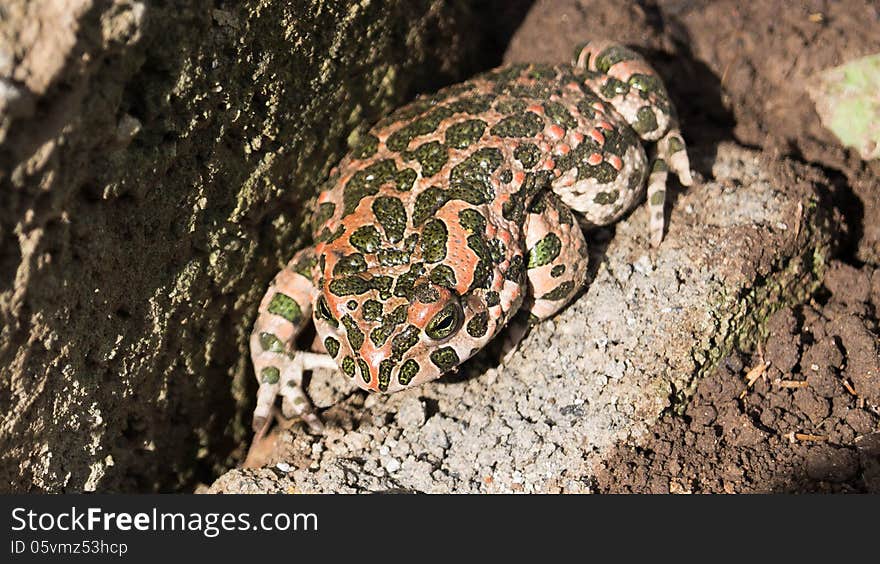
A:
(727, 68)
(791, 383)
(756, 372)
(849, 387)
(753, 374)
(795, 437)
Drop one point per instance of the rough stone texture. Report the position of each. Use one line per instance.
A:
(634, 345)
(154, 158)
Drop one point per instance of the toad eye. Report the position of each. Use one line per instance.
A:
(446, 322)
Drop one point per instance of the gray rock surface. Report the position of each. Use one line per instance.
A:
(744, 243)
(154, 158)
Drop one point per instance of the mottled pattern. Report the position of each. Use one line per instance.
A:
(455, 212)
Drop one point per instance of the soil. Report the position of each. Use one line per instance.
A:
(738, 71)
(808, 424)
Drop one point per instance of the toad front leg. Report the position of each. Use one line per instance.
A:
(557, 261)
(557, 257)
(284, 312)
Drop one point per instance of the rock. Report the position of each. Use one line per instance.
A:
(650, 325)
(154, 161)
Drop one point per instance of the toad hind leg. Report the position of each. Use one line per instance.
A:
(284, 312)
(624, 79)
